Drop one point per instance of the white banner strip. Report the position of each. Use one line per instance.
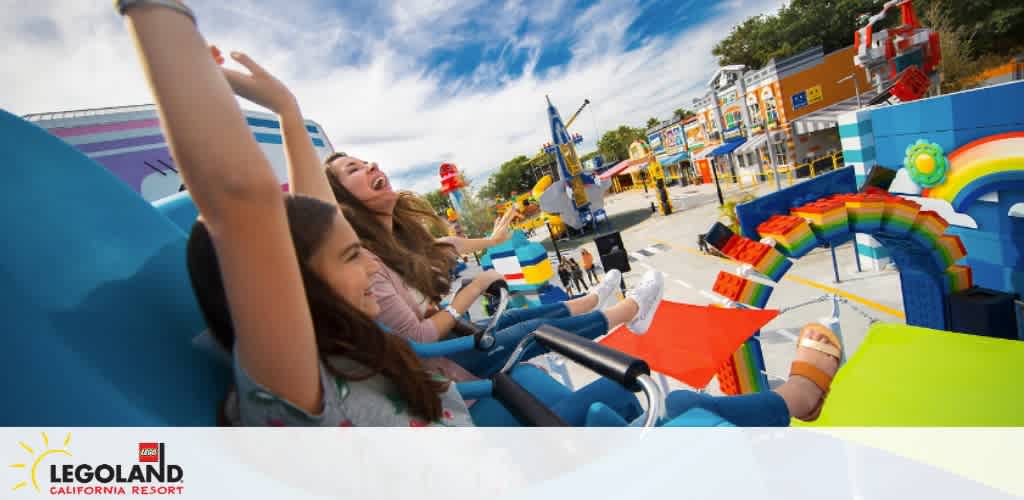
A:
(527, 464)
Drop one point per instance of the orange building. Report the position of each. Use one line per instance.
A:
(791, 109)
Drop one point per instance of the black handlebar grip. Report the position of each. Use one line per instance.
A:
(605, 361)
(527, 409)
(495, 289)
(463, 328)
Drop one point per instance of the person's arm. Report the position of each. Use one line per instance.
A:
(499, 235)
(400, 317)
(306, 174)
(239, 198)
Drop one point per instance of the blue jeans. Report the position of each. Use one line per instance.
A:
(517, 323)
(761, 409)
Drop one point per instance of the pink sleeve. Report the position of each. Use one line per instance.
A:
(396, 313)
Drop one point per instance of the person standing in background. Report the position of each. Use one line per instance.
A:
(588, 265)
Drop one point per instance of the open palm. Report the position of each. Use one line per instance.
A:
(258, 86)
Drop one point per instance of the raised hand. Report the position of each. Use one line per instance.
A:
(501, 226)
(258, 86)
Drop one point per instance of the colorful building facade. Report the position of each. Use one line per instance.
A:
(780, 115)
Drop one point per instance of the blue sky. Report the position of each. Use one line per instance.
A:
(407, 84)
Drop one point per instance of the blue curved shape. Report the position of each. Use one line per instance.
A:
(96, 308)
(180, 209)
(475, 390)
(1001, 181)
(442, 348)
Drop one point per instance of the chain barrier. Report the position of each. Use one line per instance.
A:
(871, 319)
(828, 298)
(823, 298)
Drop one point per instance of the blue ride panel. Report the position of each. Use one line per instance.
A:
(98, 312)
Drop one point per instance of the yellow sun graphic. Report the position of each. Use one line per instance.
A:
(37, 459)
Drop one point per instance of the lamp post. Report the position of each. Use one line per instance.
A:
(856, 253)
(856, 86)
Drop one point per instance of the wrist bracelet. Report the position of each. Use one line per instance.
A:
(122, 6)
(451, 310)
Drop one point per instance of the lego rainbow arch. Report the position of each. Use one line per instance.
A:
(994, 162)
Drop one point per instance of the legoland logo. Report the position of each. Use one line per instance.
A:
(152, 475)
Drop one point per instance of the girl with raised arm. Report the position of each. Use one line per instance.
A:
(413, 274)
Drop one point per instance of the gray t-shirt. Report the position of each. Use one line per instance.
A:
(374, 402)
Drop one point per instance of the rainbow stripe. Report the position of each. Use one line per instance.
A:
(755, 294)
(742, 290)
(958, 278)
(975, 167)
(866, 211)
(900, 214)
(764, 259)
(773, 265)
(748, 363)
(793, 234)
(828, 219)
(928, 226)
(948, 250)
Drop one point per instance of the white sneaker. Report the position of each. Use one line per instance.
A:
(606, 289)
(647, 295)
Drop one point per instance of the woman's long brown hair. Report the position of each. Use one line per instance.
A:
(341, 329)
(408, 249)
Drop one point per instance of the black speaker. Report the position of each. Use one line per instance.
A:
(985, 312)
(612, 252)
(879, 177)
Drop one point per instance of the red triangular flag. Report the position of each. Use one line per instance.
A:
(689, 343)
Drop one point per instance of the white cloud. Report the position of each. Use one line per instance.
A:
(384, 108)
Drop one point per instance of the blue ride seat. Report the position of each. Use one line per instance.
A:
(97, 310)
(180, 209)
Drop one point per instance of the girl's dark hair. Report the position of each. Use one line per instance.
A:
(408, 249)
(341, 329)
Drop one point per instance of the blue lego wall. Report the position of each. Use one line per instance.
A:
(952, 121)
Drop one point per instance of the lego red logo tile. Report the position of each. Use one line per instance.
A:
(149, 452)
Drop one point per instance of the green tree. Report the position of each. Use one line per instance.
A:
(614, 144)
(589, 156)
(652, 122)
(477, 216)
(956, 43)
(438, 200)
(683, 114)
(797, 26)
(515, 175)
(998, 26)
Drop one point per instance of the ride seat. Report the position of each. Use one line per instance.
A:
(97, 308)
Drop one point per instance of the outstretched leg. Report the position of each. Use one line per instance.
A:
(802, 396)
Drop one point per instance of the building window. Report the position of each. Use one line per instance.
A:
(771, 111)
(755, 114)
(780, 153)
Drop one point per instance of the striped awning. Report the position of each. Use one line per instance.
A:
(827, 118)
(752, 144)
(617, 169)
(674, 158)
